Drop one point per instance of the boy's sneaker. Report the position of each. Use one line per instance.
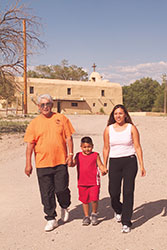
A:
(86, 221)
(51, 224)
(125, 229)
(94, 219)
(64, 214)
(117, 217)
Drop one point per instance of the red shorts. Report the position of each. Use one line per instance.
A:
(88, 193)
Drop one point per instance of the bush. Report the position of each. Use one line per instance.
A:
(102, 111)
(12, 127)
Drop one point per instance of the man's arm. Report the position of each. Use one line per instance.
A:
(69, 159)
(29, 151)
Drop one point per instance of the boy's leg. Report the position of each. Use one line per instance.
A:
(94, 192)
(86, 219)
(83, 197)
(94, 206)
(86, 209)
(94, 197)
(94, 218)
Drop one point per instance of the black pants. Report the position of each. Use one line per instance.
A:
(54, 180)
(123, 169)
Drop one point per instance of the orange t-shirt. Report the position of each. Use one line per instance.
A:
(49, 136)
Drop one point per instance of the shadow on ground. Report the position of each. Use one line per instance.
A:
(147, 211)
(105, 211)
(140, 216)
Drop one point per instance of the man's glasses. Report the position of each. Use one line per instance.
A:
(48, 105)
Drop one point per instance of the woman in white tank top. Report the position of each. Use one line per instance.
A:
(121, 142)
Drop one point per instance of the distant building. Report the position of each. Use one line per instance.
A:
(74, 97)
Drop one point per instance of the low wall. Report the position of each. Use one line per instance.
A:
(146, 114)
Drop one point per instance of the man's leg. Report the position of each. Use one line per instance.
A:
(47, 191)
(61, 182)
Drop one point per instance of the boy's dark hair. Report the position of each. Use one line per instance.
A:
(86, 139)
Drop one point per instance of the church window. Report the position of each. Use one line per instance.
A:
(102, 92)
(105, 104)
(74, 104)
(31, 90)
(94, 104)
(68, 91)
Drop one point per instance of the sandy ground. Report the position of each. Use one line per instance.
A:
(21, 213)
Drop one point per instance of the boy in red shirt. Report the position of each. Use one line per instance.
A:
(88, 165)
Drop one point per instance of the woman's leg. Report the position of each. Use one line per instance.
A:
(115, 178)
(129, 174)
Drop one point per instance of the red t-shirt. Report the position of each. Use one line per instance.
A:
(88, 172)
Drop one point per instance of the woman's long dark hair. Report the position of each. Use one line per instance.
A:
(111, 119)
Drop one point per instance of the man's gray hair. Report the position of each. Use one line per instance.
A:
(44, 96)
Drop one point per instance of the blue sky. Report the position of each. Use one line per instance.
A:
(126, 39)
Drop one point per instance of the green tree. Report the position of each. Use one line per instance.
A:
(62, 72)
(159, 102)
(141, 95)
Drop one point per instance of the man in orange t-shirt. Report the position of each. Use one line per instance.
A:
(49, 136)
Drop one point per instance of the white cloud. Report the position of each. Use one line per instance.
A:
(129, 74)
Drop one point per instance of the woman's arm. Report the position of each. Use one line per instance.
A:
(106, 147)
(139, 152)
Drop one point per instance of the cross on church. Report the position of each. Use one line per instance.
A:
(94, 67)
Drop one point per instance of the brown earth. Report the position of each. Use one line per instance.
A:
(21, 215)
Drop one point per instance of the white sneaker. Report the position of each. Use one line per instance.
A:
(117, 217)
(51, 224)
(125, 229)
(64, 214)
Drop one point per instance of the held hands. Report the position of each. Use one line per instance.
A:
(104, 171)
(69, 160)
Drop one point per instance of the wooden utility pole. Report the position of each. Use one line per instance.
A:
(25, 67)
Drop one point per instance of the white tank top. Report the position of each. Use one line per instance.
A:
(121, 143)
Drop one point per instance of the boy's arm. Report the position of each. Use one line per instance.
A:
(101, 166)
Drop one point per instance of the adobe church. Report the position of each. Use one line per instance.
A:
(75, 97)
